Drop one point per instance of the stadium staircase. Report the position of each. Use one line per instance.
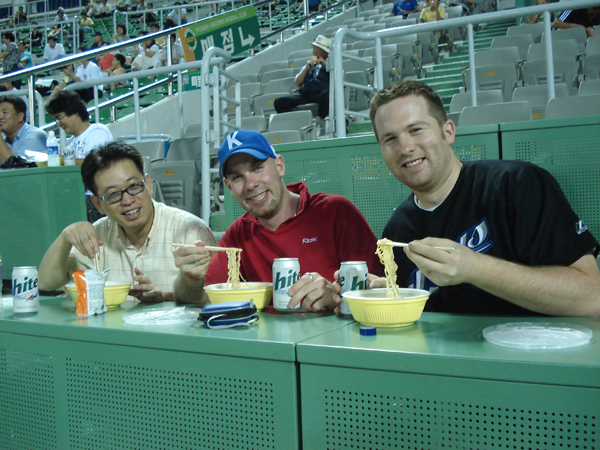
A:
(446, 78)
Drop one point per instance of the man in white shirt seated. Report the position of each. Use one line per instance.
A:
(71, 115)
(53, 50)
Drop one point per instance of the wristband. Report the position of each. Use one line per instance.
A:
(190, 277)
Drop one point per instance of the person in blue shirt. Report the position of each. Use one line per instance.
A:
(405, 7)
(18, 136)
(26, 60)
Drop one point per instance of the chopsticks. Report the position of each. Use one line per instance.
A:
(403, 244)
(207, 247)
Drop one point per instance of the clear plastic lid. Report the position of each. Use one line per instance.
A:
(529, 335)
(161, 316)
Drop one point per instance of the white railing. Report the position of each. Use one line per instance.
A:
(339, 110)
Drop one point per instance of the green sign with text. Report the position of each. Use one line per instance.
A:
(234, 31)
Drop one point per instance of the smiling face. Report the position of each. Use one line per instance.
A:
(134, 213)
(416, 149)
(256, 185)
(10, 121)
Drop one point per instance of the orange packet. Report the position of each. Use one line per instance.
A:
(90, 290)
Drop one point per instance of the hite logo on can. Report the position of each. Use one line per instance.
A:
(286, 271)
(25, 290)
(354, 275)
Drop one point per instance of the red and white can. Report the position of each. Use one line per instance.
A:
(26, 293)
(354, 275)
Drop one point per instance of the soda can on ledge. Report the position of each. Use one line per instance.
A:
(286, 271)
(354, 275)
(26, 293)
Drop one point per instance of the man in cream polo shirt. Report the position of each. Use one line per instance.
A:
(133, 240)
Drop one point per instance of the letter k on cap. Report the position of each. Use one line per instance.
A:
(231, 140)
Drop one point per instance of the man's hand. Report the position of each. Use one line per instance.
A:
(83, 237)
(193, 260)
(145, 290)
(316, 291)
(443, 267)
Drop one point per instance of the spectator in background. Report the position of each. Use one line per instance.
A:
(124, 5)
(155, 28)
(149, 16)
(176, 17)
(35, 38)
(148, 56)
(25, 55)
(536, 18)
(404, 8)
(98, 40)
(117, 68)
(53, 50)
(121, 34)
(587, 18)
(86, 71)
(17, 135)
(70, 113)
(85, 23)
(9, 86)
(177, 55)
(104, 9)
(20, 17)
(313, 82)
(433, 12)
(61, 16)
(11, 57)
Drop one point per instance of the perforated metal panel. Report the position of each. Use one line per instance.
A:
(128, 407)
(27, 410)
(90, 395)
(572, 156)
(378, 410)
(471, 146)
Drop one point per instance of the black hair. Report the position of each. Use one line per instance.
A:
(69, 103)
(9, 35)
(121, 58)
(17, 103)
(104, 157)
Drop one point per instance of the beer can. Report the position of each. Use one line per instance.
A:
(26, 293)
(286, 271)
(354, 275)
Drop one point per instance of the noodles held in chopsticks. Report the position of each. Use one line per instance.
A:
(386, 256)
(233, 268)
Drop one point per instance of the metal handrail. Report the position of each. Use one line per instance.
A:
(468, 21)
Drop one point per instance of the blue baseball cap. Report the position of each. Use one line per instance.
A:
(244, 141)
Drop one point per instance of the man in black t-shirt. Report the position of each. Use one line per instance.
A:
(519, 247)
(587, 18)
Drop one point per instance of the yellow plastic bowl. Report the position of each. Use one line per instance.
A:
(260, 292)
(115, 293)
(370, 307)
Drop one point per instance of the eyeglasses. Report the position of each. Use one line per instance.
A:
(115, 197)
(59, 119)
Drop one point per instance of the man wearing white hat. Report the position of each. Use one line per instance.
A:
(313, 82)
